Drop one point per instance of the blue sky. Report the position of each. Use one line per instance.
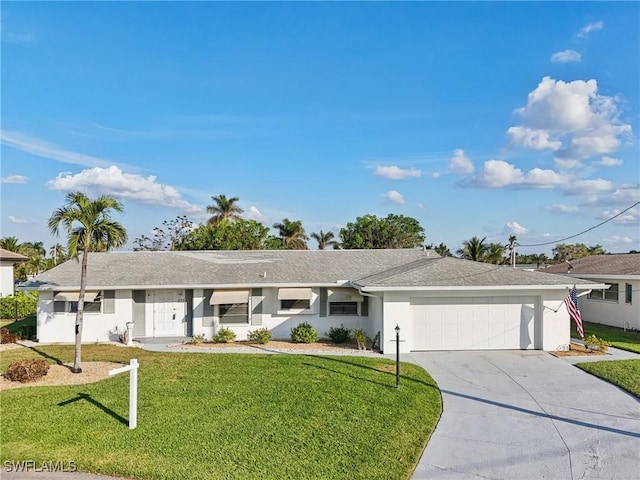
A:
(476, 118)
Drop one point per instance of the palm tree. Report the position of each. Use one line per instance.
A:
(57, 252)
(538, 258)
(325, 240)
(495, 253)
(512, 249)
(292, 234)
(10, 243)
(474, 249)
(89, 229)
(224, 209)
(33, 249)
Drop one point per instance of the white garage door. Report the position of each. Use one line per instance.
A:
(490, 323)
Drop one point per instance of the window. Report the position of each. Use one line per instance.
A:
(343, 308)
(611, 293)
(295, 298)
(67, 302)
(233, 312)
(289, 304)
(628, 293)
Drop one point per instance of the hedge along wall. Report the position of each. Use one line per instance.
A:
(26, 305)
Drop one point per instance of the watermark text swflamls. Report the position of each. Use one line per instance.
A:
(62, 466)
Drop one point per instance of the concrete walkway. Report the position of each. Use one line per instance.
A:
(528, 415)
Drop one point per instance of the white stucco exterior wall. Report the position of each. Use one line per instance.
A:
(614, 313)
(6, 278)
(96, 327)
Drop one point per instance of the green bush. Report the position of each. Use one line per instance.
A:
(8, 337)
(26, 305)
(360, 337)
(196, 339)
(304, 333)
(339, 334)
(224, 335)
(594, 343)
(260, 336)
(27, 370)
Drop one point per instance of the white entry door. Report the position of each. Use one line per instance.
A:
(169, 313)
(493, 323)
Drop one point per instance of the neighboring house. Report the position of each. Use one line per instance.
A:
(619, 304)
(8, 259)
(438, 303)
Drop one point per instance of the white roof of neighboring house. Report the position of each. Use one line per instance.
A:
(369, 270)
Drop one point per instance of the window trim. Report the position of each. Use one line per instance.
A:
(628, 294)
(344, 303)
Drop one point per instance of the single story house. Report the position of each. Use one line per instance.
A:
(8, 259)
(619, 304)
(438, 303)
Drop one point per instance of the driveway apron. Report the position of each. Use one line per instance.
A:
(527, 415)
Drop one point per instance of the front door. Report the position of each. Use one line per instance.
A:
(169, 313)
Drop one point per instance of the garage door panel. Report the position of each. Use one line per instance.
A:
(473, 323)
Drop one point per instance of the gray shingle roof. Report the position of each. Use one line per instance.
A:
(612, 264)
(369, 268)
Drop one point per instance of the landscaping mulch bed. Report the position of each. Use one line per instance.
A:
(62, 375)
(280, 345)
(575, 350)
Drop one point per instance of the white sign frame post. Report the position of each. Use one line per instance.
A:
(132, 368)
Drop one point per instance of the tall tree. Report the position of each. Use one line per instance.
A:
(392, 231)
(495, 253)
(89, 228)
(292, 234)
(513, 241)
(33, 249)
(441, 249)
(538, 258)
(58, 253)
(224, 208)
(226, 235)
(564, 251)
(10, 243)
(474, 249)
(325, 240)
(169, 239)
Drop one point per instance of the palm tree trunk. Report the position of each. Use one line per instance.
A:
(79, 314)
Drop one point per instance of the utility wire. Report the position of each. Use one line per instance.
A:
(578, 234)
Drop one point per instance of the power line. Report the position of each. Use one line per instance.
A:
(578, 234)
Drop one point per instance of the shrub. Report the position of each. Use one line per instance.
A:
(304, 333)
(260, 336)
(224, 335)
(25, 304)
(27, 370)
(360, 337)
(195, 340)
(8, 337)
(339, 334)
(594, 343)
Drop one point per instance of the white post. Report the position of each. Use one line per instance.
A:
(133, 395)
(129, 333)
(132, 368)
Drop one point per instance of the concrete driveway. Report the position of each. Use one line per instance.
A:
(527, 415)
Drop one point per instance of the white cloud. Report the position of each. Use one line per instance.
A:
(626, 195)
(588, 187)
(434, 175)
(421, 206)
(609, 162)
(515, 228)
(460, 163)
(255, 214)
(113, 181)
(559, 208)
(394, 197)
(630, 217)
(565, 164)
(618, 239)
(533, 139)
(591, 27)
(393, 172)
(44, 149)
(566, 56)
(571, 119)
(15, 179)
(499, 174)
(16, 220)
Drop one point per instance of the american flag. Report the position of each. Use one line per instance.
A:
(571, 301)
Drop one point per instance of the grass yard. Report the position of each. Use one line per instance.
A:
(623, 373)
(23, 325)
(226, 416)
(616, 336)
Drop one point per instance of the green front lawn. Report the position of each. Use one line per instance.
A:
(616, 336)
(226, 416)
(624, 373)
(22, 325)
